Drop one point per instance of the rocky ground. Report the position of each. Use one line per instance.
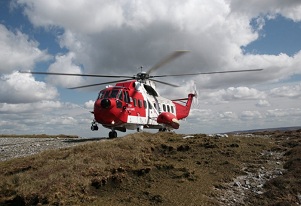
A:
(262, 168)
(13, 147)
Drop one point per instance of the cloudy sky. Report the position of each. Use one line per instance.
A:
(117, 37)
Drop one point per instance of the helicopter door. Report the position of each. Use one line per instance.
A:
(152, 114)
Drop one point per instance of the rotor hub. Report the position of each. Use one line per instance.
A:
(142, 76)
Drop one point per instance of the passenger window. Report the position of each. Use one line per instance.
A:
(144, 104)
(150, 106)
(168, 108)
(172, 110)
(135, 102)
(164, 108)
(139, 103)
(127, 97)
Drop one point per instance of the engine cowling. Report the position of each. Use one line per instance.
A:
(168, 119)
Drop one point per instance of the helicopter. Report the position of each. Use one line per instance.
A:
(133, 103)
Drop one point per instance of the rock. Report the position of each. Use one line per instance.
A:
(299, 197)
(183, 148)
(237, 184)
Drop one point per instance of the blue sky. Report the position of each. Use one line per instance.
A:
(279, 35)
(116, 37)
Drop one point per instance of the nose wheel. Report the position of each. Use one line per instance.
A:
(112, 134)
(94, 126)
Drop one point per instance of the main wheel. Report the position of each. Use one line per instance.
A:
(112, 134)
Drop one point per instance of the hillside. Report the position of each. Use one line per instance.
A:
(160, 169)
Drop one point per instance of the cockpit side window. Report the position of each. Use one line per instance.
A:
(126, 96)
(106, 95)
(120, 96)
(100, 94)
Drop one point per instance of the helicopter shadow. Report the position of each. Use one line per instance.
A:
(79, 140)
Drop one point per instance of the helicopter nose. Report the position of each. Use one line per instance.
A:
(105, 103)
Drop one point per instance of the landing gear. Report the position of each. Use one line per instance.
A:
(112, 134)
(162, 130)
(140, 128)
(94, 126)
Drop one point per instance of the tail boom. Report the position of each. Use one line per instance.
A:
(182, 110)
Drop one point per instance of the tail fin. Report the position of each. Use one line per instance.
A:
(183, 110)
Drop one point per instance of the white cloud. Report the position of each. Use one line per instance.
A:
(83, 16)
(42, 106)
(135, 33)
(289, 9)
(89, 104)
(65, 64)
(18, 52)
(50, 117)
(250, 115)
(288, 112)
(22, 88)
(232, 94)
(242, 93)
(228, 115)
(290, 91)
(263, 103)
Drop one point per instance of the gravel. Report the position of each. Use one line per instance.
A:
(242, 187)
(19, 147)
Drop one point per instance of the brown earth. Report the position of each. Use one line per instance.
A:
(161, 169)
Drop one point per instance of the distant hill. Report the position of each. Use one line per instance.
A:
(267, 129)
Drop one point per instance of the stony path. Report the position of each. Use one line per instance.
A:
(251, 184)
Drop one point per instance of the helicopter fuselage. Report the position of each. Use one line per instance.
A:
(136, 105)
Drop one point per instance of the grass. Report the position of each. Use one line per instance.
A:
(141, 169)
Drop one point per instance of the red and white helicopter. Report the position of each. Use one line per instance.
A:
(134, 103)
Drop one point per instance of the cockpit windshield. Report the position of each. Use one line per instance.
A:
(114, 93)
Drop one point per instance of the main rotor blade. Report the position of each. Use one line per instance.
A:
(166, 60)
(73, 74)
(169, 84)
(199, 73)
(92, 85)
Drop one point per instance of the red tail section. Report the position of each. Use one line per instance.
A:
(183, 109)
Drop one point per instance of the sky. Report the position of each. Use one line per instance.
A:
(117, 37)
